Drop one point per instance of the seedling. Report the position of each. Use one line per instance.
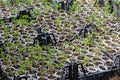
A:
(57, 6)
(85, 61)
(77, 48)
(32, 56)
(50, 66)
(108, 9)
(15, 60)
(58, 22)
(28, 2)
(16, 33)
(45, 1)
(74, 7)
(3, 56)
(2, 47)
(37, 11)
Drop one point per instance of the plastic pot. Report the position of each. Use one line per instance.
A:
(97, 62)
(105, 58)
(92, 69)
(42, 78)
(52, 77)
(62, 38)
(102, 68)
(109, 63)
(21, 77)
(9, 72)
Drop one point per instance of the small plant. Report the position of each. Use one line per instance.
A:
(6, 30)
(119, 20)
(42, 72)
(28, 2)
(85, 61)
(15, 60)
(77, 48)
(3, 56)
(108, 9)
(13, 11)
(37, 11)
(88, 41)
(22, 21)
(21, 58)
(92, 16)
(12, 48)
(59, 65)
(50, 66)
(75, 7)
(44, 1)
(28, 40)
(32, 56)
(47, 7)
(57, 6)
(67, 46)
(64, 56)
(20, 71)
(9, 69)
(28, 64)
(5, 2)
(21, 48)
(16, 33)
(58, 22)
